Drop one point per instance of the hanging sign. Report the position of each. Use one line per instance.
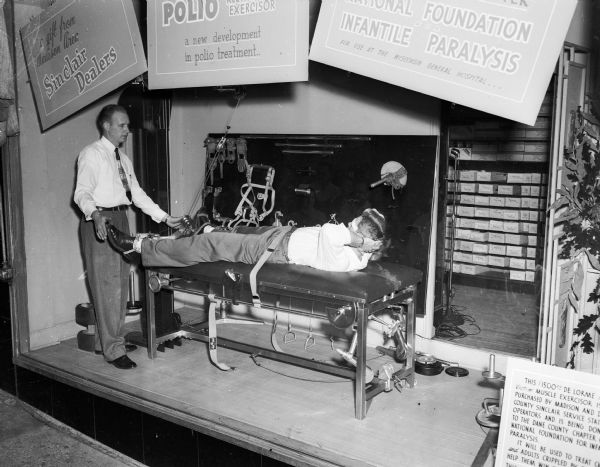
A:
(550, 416)
(77, 52)
(194, 43)
(497, 56)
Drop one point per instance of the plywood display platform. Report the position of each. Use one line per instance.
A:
(293, 414)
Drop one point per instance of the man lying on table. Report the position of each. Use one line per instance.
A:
(330, 247)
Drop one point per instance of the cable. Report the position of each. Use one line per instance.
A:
(239, 94)
(450, 328)
(255, 356)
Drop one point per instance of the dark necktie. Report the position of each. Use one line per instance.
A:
(122, 175)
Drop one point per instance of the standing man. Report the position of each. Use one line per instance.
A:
(106, 187)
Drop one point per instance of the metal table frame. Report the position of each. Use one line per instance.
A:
(364, 390)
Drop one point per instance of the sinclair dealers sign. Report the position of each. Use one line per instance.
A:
(193, 43)
(77, 52)
(493, 55)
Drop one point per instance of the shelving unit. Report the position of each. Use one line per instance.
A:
(496, 195)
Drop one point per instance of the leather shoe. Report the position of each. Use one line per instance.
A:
(128, 348)
(121, 242)
(123, 363)
(196, 225)
(201, 217)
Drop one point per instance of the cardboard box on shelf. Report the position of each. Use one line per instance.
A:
(518, 178)
(481, 200)
(482, 212)
(515, 250)
(517, 275)
(515, 239)
(464, 234)
(478, 236)
(497, 237)
(498, 261)
(497, 225)
(509, 190)
(480, 248)
(482, 224)
(463, 257)
(512, 202)
(542, 147)
(496, 213)
(467, 199)
(499, 177)
(537, 133)
(483, 176)
(499, 250)
(497, 201)
(465, 211)
(465, 245)
(530, 276)
(511, 227)
(485, 188)
(528, 227)
(480, 259)
(467, 175)
(467, 187)
(535, 157)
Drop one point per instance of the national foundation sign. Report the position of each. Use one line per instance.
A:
(77, 52)
(497, 56)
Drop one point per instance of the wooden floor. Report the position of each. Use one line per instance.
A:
(503, 320)
(293, 414)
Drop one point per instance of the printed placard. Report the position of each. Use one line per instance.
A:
(497, 56)
(77, 52)
(226, 42)
(550, 416)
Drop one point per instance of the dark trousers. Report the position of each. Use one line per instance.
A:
(107, 276)
(245, 245)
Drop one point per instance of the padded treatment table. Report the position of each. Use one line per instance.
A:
(345, 299)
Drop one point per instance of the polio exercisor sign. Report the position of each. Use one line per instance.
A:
(226, 42)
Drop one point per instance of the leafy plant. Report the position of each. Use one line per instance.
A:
(579, 203)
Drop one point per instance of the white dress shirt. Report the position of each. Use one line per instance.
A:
(99, 183)
(326, 248)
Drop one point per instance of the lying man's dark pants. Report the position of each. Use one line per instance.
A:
(245, 245)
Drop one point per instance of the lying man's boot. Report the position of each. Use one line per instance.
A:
(202, 220)
(196, 225)
(123, 243)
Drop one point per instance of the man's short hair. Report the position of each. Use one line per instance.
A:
(373, 222)
(106, 114)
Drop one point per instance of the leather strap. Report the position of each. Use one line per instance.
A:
(261, 261)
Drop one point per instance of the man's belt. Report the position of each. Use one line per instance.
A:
(263, 258)
(121, 207)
